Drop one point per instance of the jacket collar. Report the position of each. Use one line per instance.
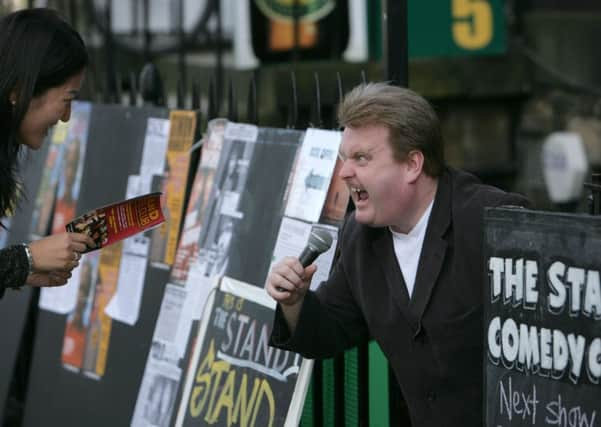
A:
(430, 262)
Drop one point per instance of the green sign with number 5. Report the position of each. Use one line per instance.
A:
(456, 27)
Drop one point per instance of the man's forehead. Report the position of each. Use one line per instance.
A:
(363, 139)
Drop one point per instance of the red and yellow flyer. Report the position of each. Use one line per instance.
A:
(118, 221)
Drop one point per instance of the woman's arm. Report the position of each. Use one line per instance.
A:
(14, 267)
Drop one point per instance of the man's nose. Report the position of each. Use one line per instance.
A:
(346, 170)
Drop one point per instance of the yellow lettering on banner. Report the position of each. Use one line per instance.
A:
(243, 407)
(472, 23)
(203, 381)
(239, 409)
(265, 390)
(226, 399)
(228, 301)
(219, 368)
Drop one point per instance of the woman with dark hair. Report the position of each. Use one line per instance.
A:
(42, 65)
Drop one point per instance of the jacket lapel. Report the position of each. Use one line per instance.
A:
(433, 249)
(385, 257)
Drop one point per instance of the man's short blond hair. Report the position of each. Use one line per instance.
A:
(411, 120)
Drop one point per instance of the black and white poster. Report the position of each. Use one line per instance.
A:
(246, 206)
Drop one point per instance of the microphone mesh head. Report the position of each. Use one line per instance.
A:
(320, 240)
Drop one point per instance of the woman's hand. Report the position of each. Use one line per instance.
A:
(59, 252)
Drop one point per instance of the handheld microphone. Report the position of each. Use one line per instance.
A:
(319, 242)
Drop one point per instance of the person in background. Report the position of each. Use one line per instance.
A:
(409, 270)
(42, 64)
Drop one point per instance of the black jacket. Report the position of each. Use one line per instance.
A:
(434, 342)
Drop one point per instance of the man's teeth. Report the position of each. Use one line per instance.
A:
(359, 192)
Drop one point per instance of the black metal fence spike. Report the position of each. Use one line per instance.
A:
(338, 96)
(110, 93)
(316, 119)
(92, 87)
(133, 89)
(181, 94)
(594, 199)
(232, 103)
(339, 88)
(212, 109)
(251, 102)
(151, 85)
(196, 95)
(292, 121)
(118, 92)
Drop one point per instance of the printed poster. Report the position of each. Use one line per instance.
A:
(313, 173)
(182, 131)
(118, 221)
(44, 202)
(71, 169)
(200, 194)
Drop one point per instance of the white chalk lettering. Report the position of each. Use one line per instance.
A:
(593, 366)
(516, 403)
(557, 297)
(529, 356)
(558, 414)
(510, 341)
(575, 278)
(494, 345)
(584, 290)
(516, 280)
(542, 351)
(592, 296)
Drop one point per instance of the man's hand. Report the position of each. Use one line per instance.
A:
(288, 283)
(53, 278)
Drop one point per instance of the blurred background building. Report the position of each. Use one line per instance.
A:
(503, 75)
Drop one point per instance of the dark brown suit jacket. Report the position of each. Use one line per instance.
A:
(433, 341)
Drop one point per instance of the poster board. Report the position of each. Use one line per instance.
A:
(57, 396)
(542, 322)
(232, 232)
(14, 306)
(235, 377)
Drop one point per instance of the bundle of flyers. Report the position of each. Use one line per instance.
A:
(118, 221)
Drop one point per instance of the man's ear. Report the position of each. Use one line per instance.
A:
(12, 98)
(415, 165)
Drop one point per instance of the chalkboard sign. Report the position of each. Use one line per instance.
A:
(542, 329)
(236, 378)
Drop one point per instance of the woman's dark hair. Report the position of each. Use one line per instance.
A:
(38, 51)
